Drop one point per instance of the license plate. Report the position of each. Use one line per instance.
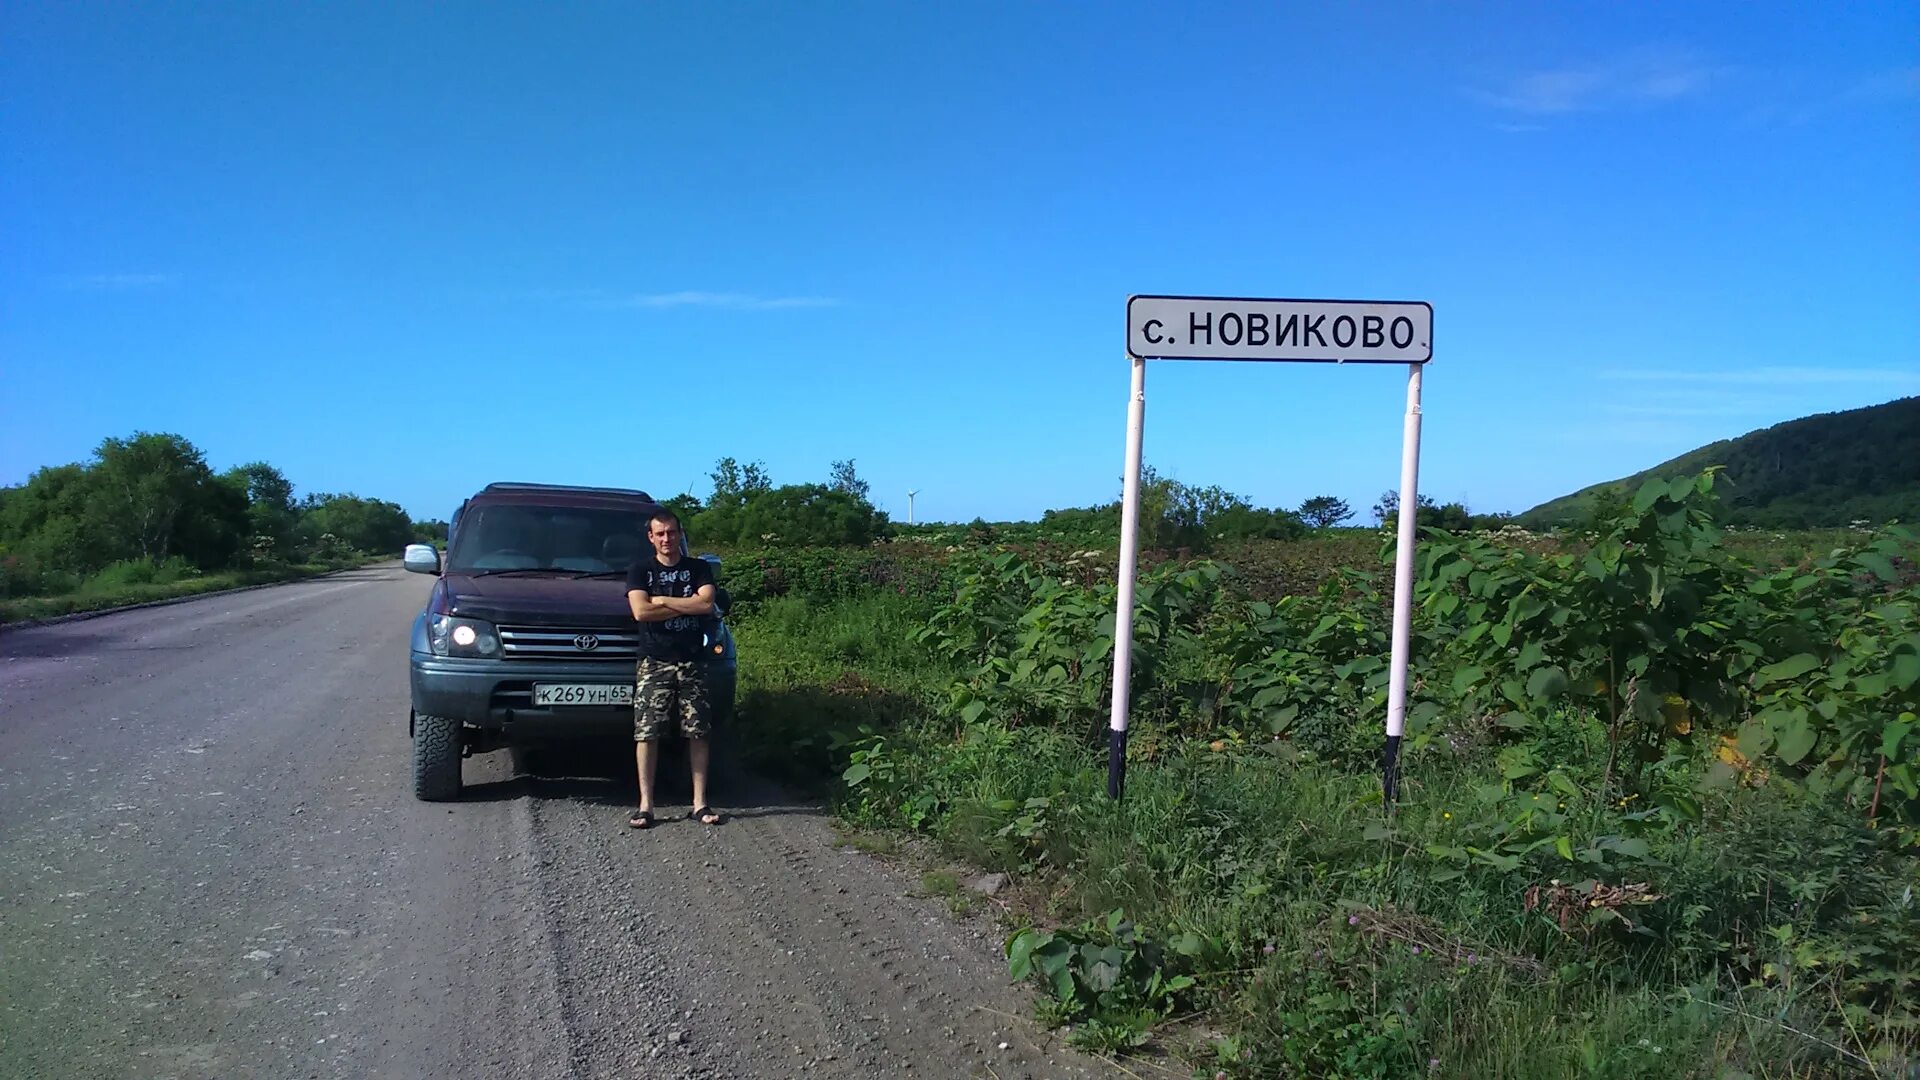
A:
(582, 694)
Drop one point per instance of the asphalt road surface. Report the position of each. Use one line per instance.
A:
(211, 866)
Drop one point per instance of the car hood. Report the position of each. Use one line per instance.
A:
(531, 600)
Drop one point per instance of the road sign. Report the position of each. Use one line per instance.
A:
(1309, 331)
(1301, 331)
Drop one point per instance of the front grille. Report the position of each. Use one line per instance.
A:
(559, 643)
(515, 694)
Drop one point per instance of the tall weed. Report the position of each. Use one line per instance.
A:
(1659, 813)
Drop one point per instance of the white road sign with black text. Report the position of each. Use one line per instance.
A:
(1325, 331)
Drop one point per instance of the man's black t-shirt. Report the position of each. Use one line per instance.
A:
(680, 637)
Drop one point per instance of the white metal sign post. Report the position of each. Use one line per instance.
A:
(1129, 554)
(1402, 590)
(1285, 331)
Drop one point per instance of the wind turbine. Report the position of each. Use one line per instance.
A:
(910, 496)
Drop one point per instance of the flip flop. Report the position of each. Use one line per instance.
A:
(641, 819)
(701, 813)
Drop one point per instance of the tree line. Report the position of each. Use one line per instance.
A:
(1176, 515)
(152, 498)
(746, 508)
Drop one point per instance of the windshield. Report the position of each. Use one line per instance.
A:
(501, 537)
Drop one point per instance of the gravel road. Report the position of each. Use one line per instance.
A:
(210, 866)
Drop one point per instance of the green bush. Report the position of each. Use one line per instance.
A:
(796, 515)
(816, 679)
(756, 574)
(127, 572)
(1657, 815)
(1343, 946)
(331, 525)
(23, 575)
(151, 499)
(1780, 890)
(1114, 975)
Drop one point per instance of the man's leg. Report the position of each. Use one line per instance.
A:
(645, 756)
(697, 755)
(696, 724)
(652, 707)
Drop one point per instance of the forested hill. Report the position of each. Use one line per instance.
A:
(1825, 470)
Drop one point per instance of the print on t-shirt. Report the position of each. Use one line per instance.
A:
(680, 637)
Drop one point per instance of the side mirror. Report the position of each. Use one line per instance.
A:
(722, 601)
(421, 559)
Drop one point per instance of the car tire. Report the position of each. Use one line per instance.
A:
(436, 758)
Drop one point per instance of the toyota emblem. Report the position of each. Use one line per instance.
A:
(586, 642)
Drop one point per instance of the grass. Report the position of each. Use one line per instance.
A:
(947, 885)
(1333, 941)
(111, 590)
(1332, 949)
(817, 677)
(869, 841)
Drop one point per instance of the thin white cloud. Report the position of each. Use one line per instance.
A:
(1663, 412)
(1794, 99)
(1774, 376)
(734, 301)
(1642, 77)
(120, 281)
(1898, 84)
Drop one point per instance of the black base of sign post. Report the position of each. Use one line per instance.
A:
(1116, 763)
(1390, 771)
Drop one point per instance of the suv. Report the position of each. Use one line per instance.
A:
(527, 636)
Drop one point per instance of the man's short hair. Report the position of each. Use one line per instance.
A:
(663, 514)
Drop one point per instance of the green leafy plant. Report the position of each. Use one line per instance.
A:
(1658, 813)
(1107, 971)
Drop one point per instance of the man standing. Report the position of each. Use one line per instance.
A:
(669, 593)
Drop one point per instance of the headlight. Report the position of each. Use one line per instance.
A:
(451, 636)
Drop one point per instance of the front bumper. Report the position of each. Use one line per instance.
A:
(498, 694)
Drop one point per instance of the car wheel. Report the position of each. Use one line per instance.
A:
(436, 758)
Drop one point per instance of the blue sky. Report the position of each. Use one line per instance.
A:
(403, 250)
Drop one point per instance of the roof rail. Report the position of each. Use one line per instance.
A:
(510, 486)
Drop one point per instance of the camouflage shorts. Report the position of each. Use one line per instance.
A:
(666, 692)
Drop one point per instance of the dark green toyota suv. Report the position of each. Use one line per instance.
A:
(527, 636)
